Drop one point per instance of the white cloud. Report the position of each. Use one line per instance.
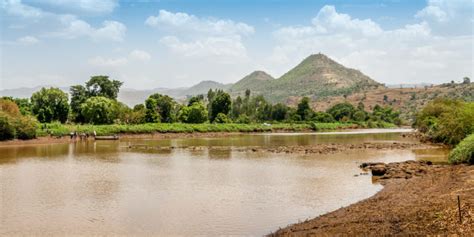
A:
(433, 12)
(198, 37)
(189, 23)
(140, 55)
(449, 17)
(107, 62)
(62, 25)
(74, 28)
(328, 21)
(28, 40)
(17, 8)
(413, 53)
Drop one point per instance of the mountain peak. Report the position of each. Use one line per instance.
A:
(255, 81)
(259, 75)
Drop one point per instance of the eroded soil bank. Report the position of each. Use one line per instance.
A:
(418, 198)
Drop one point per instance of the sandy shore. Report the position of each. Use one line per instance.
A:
(418, 199)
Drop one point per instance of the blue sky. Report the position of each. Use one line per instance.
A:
(174, 43)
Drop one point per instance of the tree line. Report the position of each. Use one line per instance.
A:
(96, 102)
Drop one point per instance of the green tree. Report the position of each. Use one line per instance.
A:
(220, 104)
(50, 105)
(196, 113)
(159, 108)
(279, 112)
(194, 99)
(7, 130)
(304, 109)
(341, 111)
(103, 86)
(79, 95)
(323, 117)
(99, 110)
(466, 80)
(237, 107)
(359, 116)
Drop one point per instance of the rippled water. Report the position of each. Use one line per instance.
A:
(107, 188)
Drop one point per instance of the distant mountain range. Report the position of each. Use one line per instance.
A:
(317, 76)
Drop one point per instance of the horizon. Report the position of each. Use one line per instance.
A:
(169, 44)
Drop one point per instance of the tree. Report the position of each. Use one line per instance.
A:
(7, 131)
(279, 112)
(23, 104)
(304, 110)
(237, 109)
(99, 110)
(220, 104)
(341, 110)
(50, 105)
(359, 116)
(79, 95)
(466, 80)
(159, 108)
(194, 99)
(196, 113)
(323, 117)
(361, 106)
(103, 86)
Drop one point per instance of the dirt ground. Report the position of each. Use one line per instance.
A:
(418, 199)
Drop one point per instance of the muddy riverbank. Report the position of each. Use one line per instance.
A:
(418, 198)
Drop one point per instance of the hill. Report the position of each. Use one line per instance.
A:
(203, 87)
(132, 97)
(407, 100)
(316, 76)
(255, 81)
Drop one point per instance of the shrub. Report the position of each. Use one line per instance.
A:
(463, 152)
(323, 117)
(7, 131)
(447, 121)
(25, 127)
(9, 107)
(359, 116)
(243, 119)
(341, 110)
(222, 118)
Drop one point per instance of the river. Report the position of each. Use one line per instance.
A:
(129, 187)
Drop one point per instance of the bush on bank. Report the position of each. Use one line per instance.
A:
(447, 121)
(463, 152)
(15, 125)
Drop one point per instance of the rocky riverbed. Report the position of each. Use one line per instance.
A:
(418, 199)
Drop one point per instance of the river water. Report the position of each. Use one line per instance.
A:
(129, 187)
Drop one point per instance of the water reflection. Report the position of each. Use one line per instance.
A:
(153, 187)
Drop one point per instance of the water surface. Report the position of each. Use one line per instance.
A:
(105, 187)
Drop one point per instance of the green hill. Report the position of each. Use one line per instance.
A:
(256, 82)
(316, 76)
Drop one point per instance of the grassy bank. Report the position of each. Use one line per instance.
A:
(57, 129)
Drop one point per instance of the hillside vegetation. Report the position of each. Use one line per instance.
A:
(317, 75)
(406, 100)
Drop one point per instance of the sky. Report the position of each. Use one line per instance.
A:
(178, 43)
